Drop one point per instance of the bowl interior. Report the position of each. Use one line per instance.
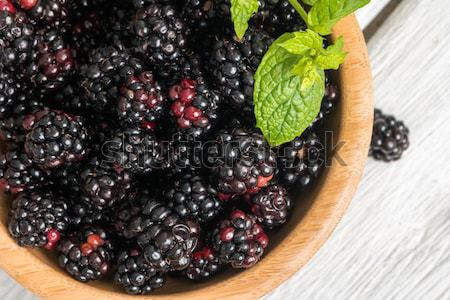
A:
(316, 212)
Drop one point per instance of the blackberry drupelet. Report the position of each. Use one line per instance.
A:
(17, 41)
(83, 213)
(232, 65)
(53, 61)
(38, 218)
(239, 240)
(204, 264)
(55, 138)
(389, 138)
(271, 206)
(167, 242)
(135, 275)
(160, 36)
(45, 12)
(141, 101)
(145, 3)
(87, 254)
(134, 151)
(193, 198)
(103, 186)
(329, 101)
(194, 107)
(108, 67)
(19, 173)
(301, 160)
(183, 156)
(7, 6)
(241, 162)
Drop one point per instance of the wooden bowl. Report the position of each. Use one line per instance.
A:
(315, 216)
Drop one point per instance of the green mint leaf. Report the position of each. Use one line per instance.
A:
(324, 14)
(288, 92)
(333, 56)
(303, 42)
(241, 12)
(309, 2)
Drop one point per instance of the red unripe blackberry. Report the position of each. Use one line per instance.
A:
(239, 240)
(141, 100)
(6, 5)
(204, 265)
(271, 206)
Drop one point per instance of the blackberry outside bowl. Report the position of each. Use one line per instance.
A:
(315, 216)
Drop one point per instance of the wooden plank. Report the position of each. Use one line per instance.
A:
(394, 242)
(368, 13)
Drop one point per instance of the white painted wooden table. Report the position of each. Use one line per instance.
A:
(394, 241)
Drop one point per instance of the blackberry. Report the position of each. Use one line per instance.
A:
(239, 240)
(232, 65)
(55, 138)
(87, 254)
(135, 275)
(203, 266)
(53, 61)
(203, 17)
(329, 102)
(134, 151)
(301, 160)
(17, 41)
(241, 161)
(141, 101)
(38, 218)
(86, 35)
(6, 5)
(194, 107)
(101, 77)
(271, 206)
(19, 173)
(45, 12)
(277, 17)
(184, 155)
(193, 198)
(103, 187)
(389, 138)
(167, 241)
(145, 3)
(82, 213)
(16, 96)
(116, 23)
(159, 35)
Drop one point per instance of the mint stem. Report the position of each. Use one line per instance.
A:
(301, 11)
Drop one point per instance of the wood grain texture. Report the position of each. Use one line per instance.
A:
(368, 13)
(312, 222)
(394, 241)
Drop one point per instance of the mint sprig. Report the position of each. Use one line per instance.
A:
(241, 12)
(290, 84)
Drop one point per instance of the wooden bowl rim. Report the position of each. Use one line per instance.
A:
(307, 236)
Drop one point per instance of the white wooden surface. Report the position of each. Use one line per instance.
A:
(394, 241)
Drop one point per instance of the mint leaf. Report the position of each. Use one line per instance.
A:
(324, 14)
(302, 42)
(310, 2)
(288, 91)
(333, 56)
(241, 12)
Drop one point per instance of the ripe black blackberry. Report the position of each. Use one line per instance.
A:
(277, 17)
(204, 17)
(17, 41)
(55, 138)
(232, 64)
(83, 213)
(193, 198)
(239, 240)
(115, 20)
(301, 160)
(389, 138)
(86, 34)
(145, 3)
(87, 254)
(38, 218)
(134, 151)
(45, 12)
(271, 206)
(18, 172)
(329, 101)
(103, 186)
(53, 61)
(141, 101)
(135, 275)
(241, 162)
(160, 36)
(167, 242)
(183, 156)
(204, 264)
(194, 107)
(108, 67)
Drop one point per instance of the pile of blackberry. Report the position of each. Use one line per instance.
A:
(130, 147)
